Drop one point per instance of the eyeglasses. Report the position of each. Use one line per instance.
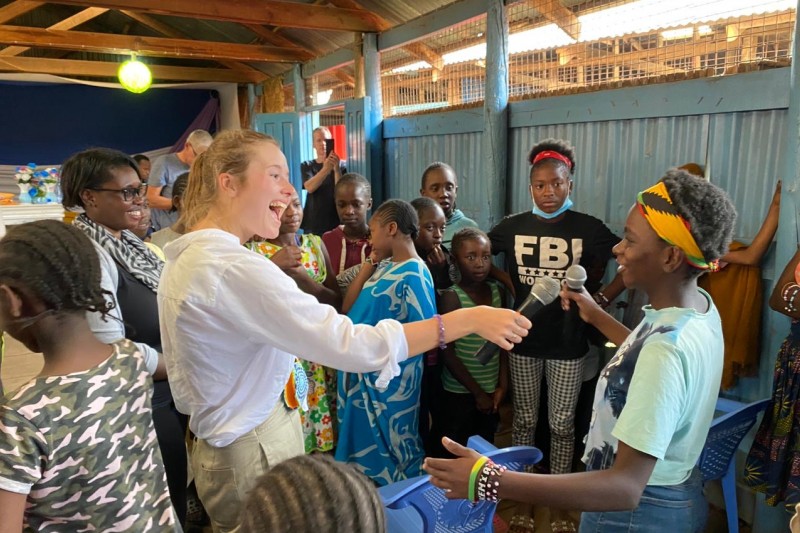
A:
(128, 193)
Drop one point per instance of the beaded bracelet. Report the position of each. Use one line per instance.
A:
(442, 342)
(790, 307)
(786, 288)
(489, 482)
(473, 477)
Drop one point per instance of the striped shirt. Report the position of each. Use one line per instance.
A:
(485, 375)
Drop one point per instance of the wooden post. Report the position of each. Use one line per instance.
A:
(374, 122)
(358, 66)
(299, 88)
(495, 114)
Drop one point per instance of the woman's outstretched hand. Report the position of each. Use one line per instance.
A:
(452, 475)
(503, 327)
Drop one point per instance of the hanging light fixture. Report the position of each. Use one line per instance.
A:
(134, 75)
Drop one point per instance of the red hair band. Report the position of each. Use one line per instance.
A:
(550, 154)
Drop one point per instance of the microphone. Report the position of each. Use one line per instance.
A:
(575, 278)
(543, 293)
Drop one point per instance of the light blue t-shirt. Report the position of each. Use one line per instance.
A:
(657, 394)
(457, 221)
(164, 172)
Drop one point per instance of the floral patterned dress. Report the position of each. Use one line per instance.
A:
(318, 427)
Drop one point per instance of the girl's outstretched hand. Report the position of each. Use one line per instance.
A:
(587, 307)
(452, 475)
(503, 327)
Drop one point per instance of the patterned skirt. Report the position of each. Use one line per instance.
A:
(773, 464)
(319, 433)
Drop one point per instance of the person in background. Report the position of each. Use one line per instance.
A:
(166, 235)
(165, 171)
(305, 259)
(656, 397)
(78, 450)
(144, 166)
(546, 241)
(320, 175)
(440, 183)
(345, 501)
(771, 465)
(348, 243)
(2, 335)
(106, 184)
(379, 426)
(472, 392)
(143, 230)
(429, 243)
(220, 302)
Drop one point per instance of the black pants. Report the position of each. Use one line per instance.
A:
(171, 433)
(459, 419)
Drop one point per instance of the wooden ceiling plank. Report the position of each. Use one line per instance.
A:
(101, 69)
(554, 11)
(271, 12)
(67, 24)
(15, 9)
(146, 46)
(168, 31)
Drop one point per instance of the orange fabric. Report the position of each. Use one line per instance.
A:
(738, 295)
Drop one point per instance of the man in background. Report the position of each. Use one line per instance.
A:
(165, 170)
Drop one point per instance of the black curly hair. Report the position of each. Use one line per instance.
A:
(554, 145)
(465, 235)
(90, 169)
(437, 165)
(401, 213)
(313, 494)
(352, 178)
(707, 208)
(55, 263)
(423, 203)
(179, 187)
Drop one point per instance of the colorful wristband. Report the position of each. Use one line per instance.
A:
(473, 477)
(442, 342)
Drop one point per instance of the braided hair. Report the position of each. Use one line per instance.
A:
(179, 187)
(553, 145)
(55, 263)
(342, 499)
(401, 213)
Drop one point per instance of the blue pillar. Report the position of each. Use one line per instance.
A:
(767, 519)
(374, 122)
(495, 114)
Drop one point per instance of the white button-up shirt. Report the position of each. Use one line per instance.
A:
(230, 322)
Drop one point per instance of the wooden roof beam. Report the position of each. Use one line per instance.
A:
(269, 12)
(17, 8)
(67, 24)
(554, 11)
(167, 31)
(145, 46)
(102, 69)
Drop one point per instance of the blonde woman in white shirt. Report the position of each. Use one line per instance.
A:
(231, 320)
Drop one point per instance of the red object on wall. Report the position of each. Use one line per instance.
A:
(340, 136)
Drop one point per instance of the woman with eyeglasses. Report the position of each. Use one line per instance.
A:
(105, 183)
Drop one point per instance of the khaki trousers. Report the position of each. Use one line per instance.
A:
(224, 476)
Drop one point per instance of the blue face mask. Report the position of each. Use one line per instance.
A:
(539, 213)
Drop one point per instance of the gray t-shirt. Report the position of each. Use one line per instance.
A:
(164, 172)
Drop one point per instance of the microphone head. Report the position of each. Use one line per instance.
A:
(575, 277)
(546, 290)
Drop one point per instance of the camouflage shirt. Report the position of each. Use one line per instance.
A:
(83, 449)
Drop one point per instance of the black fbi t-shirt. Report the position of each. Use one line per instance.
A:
(534, 248)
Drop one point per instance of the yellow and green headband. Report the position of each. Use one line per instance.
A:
(658, 209)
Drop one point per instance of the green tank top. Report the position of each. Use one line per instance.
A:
(485, 375)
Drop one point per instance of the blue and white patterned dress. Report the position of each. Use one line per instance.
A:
(379, 429)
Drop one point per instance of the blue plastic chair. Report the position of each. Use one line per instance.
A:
(416, 506)
(717, 460)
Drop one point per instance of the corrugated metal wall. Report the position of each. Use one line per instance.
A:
(407, 157)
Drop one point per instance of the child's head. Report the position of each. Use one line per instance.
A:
(144, 166)
(178, 190)
(681, 225)
(353, 197)
(46, 268)
(394, 220)
(552, 163)
(142, 229)
(439, 183)
(431, 224)
(313, 494)
(293, 215)
(244, 177)
(472, 252)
